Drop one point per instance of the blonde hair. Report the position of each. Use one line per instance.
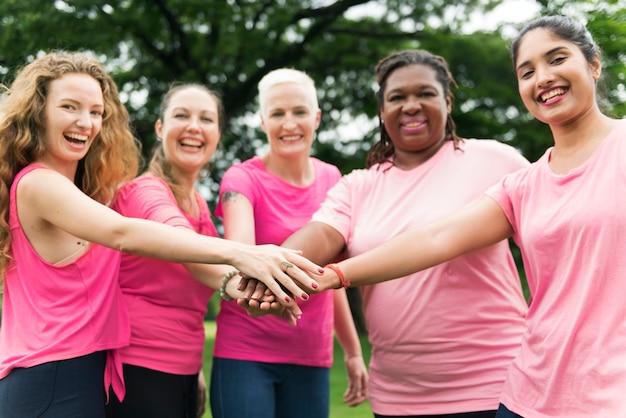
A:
(113, 157)
(282, 76)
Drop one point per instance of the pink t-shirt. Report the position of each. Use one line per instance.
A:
(166, 304)
(279, 210)
(572, 231)
(442, 339)
(52, 312)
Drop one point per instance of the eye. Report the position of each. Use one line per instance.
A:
(277, 114)
(97, 112)
(180, 115)
(67, 106)
(428, 93)
(395, 97)
(300, 112)
(523, 75)
(558, 60)
(206, 119)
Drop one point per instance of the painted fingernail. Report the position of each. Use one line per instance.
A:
(287, 299)
(321, 271)
(314, 285)
(305, 296)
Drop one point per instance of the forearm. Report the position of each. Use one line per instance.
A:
(318, 242)
(478, 226)
(345, 330)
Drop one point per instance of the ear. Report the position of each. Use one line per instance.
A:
(318, 118)
(596, 67)
(263, 124)
(449, 103)
(158, 129)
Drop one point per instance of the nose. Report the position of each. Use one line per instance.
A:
(289, 121)
(544, 76)
(84, 119)
(412, 105)
(194, 124)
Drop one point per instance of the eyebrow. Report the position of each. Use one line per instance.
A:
(547, 54)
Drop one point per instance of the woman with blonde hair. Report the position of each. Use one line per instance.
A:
(66, 146)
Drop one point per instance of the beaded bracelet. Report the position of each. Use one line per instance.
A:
(227, 277)
(342, 280)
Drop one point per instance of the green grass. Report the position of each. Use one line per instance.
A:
(338, 380)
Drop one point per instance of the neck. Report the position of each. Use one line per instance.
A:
(297, 171)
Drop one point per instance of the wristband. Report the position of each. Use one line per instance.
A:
(227, 277)
(343, 282)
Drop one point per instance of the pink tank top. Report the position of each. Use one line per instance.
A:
(52, 312)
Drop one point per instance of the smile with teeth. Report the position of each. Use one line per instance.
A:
(191, 143)
(414, 124)
(290, 138)
(77, 137)
(552, 93)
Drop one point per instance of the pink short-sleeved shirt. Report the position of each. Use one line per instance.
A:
(572, 232)
(280, 209)
(58, 312)
(442, 339)
(166, 304)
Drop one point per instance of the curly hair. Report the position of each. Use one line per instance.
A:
(113, 157)
(384, 148)
(159, 165)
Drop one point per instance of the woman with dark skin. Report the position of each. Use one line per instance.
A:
(567, 214)
(439, 347)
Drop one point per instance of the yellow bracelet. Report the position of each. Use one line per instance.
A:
(227, 277)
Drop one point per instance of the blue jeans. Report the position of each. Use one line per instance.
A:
(268, 390)
(503, 412)
(58, 389)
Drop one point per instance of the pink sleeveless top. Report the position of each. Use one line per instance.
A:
(52, 312)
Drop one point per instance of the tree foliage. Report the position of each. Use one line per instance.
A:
(230, 44)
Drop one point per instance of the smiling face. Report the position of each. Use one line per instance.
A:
(73, 112)
(556, 82)
(189, 129)
(414, 111)
(289, 119)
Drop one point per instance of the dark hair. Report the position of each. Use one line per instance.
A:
(159, 165)
(384, 148)
(565, 28)
(575, 32)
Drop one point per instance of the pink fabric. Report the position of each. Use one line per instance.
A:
(442, 339)
(53, 313)
(279, 210)
(166, 304)
(572, 229)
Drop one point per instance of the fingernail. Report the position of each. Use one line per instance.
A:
(314, 285)
(305, 296)
(321, 271)
(287, 299)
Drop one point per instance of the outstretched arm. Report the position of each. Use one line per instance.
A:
(475, 227)
(51, 206)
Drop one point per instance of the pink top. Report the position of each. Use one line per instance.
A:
(572, 231)
(166, 304)
(52, 312)
(279, 210)
(442, 339)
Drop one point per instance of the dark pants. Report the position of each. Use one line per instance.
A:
(154, 394)
(58, 389)
(241, 389)
(476, 414)
(503, 412)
